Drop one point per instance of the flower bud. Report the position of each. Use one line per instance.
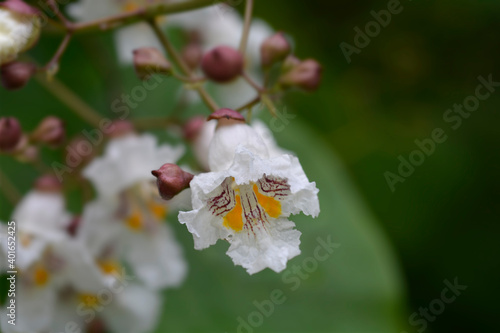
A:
(149, 61)
(19, 29)
(50, 131)
(193, 127)
(10, 133)
(273, 49)
(48, 183)
(222, 64)
(171, 180)
(120, 128)
(306, 75)
(15, 75)
(79, 152)
(192, 54)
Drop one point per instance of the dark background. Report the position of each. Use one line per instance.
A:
(443, 220)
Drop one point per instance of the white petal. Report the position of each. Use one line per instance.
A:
(206, 228)
(135, 310)
(264, 250)
(79, 270)
(41, 211)
(34, 308)
(202, 141)
(128, 160)
(265, 133)
(227, 139)
(156, 258)
(99, 228)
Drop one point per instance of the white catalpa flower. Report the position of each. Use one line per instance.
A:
(61, 263)
(247, 199)
(201, 141)
(18, 32)
(127, 39)
(129, 214)
(221, 25)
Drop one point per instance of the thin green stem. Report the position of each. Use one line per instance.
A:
(251, 82)
(250, 104)
(70, 99)
(53, 65)
(176, 58)
(246, 26)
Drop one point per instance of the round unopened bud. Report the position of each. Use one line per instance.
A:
(149, 61)
(193, 127)
(120, 128)
(79, 152)
(19, 27)
(273, 49)
(15, 75)
(50, 131)
(10, 133)
(48, 183)
(222, 64)
(171, 180)
(192, 54)
(306, 75)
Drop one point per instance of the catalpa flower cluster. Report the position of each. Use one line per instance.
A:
(95, 238)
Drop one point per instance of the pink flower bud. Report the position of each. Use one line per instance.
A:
(120, 128)
(222, 64)
(192, 54)
(10, 133)
(273, 49)
(306, 75)
(149, 61)
(20, 7)
(48, 183)
(50, 131)
(15, 75)
(171, 180)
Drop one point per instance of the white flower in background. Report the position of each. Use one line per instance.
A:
(247, 199)
(18, 31)
(221, 25)
(129, 214)
(47, 260)
(127, 39)
(120, 305)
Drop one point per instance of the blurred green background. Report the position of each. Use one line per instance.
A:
(396, 248)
